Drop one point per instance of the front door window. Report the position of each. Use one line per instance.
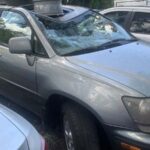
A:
(13, 24)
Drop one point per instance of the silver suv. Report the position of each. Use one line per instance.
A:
(79, 71)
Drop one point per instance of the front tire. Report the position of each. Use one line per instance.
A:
(79, 129)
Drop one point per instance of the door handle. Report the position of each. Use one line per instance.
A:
(0, 55)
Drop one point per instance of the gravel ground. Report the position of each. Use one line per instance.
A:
(53, 138)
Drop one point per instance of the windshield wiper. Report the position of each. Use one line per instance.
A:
(83, 51)
(110, 44)
(117, 42)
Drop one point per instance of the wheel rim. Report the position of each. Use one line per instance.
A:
(68, 136)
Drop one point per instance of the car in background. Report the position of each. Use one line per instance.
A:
(134, 19)
(18, 134)
(141, 3)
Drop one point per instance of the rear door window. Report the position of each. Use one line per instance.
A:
(140, 23)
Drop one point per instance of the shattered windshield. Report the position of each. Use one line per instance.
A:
(88, 31)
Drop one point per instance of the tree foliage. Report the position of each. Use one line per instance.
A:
(97, 4)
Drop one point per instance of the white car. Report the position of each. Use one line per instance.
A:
(18, 134)
(134, 19)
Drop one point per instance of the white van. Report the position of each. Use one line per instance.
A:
(118, 3)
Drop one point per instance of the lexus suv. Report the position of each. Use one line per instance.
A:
(79, 72)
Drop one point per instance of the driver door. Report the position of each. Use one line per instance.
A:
(17, 71)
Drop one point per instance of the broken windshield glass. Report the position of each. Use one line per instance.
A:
(83, 32)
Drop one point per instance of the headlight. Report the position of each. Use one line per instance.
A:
(139, 109)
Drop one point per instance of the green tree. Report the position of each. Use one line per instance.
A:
(98, 4)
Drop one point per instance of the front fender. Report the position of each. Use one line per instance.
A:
(100, 95)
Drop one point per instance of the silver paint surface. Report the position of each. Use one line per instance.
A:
(17, 133)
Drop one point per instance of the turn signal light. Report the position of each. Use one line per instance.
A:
(129, 147)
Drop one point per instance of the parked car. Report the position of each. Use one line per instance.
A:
(17, 133)
(79, 71)
(134, 19)
(118, 3)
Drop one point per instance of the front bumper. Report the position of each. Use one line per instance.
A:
(117, 136)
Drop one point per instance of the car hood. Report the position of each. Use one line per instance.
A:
(10, 136)
(127, 64)
(19, 126)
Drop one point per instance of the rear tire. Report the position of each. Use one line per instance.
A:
(79, 129)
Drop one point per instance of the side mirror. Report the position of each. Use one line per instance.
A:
(20, 45)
